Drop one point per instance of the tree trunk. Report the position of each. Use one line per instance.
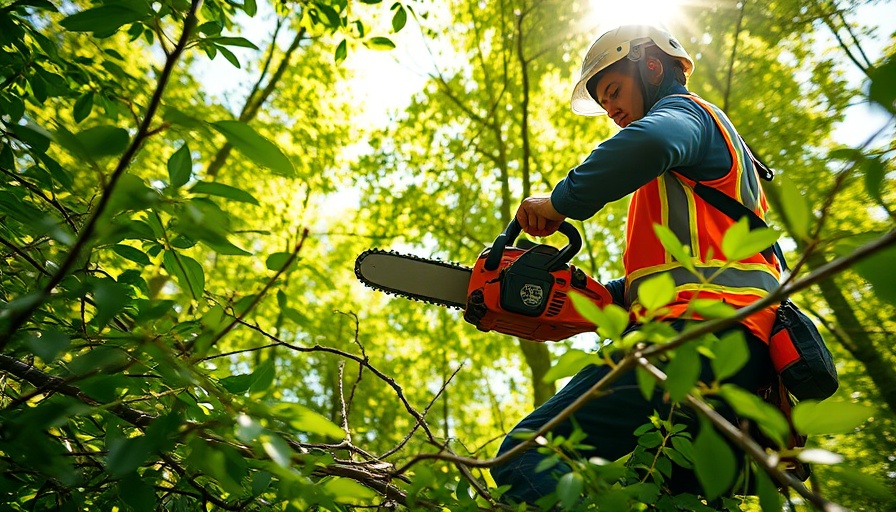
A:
(538, 358)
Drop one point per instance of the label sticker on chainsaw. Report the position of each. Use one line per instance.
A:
(532, 295)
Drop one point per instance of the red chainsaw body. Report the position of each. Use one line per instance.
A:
(523, 298)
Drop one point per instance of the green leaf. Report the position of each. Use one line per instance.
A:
(83, 106)
(611, 321)
(768, 418)
(682, 371)
(795, 209)
(259, 149)
(829, 417)
(879, 270)
(247, 429)
(277, 449)
(241, 42)
(47, 344)
(304, 419)
(186, 271)
(180, 166)
(237, 384)
(731, 354)
(263, 376)
(875, 170)
(221, 190)
(769, 498)
(712, 308)
(866, 484)
(250, 7)
(646, 382)
(103, 141)
(111, 298)
(656, 292)
(175, 116)
(32, 134)
(674, 246)
(569, 489)
(126, 454)
(379, 43)
(231, 58)
(882, 89)
(137, 494)
(714, 461)
(106, 19)
(341, 52)
(399, 19)
(570, 363)
(739, 242)
(344, 490)
(278, 260)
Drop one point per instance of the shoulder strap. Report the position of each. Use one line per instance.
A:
(735, 210)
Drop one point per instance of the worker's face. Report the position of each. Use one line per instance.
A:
(619, 94)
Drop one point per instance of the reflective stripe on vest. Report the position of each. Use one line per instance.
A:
(669, 200)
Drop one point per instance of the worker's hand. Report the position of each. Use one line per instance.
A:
(538, 217)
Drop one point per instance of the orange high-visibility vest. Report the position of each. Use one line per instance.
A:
(670, 201)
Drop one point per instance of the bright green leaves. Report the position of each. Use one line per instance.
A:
(257, 148)
(714, 461)
(882, 89)
(829, 417)
(674, 246)
(730, 355)
(570, 363)
(47, 344)
(95, 142)
(794, 208)
(214, 45)
(186, 271)
(379, 43)
(656, 292)
(341, 51)
(221, 190)
(749, 405)
(256, 382)
(105, 20)
(683, 371)
(740, 242)
(180, 167)
(569, 489)
(400, 18)
(879, 270)
(611, 321)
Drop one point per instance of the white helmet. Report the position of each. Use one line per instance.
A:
(625, 41)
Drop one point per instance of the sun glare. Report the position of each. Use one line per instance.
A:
(607, 14)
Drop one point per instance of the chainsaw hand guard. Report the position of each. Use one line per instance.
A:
(525, 293)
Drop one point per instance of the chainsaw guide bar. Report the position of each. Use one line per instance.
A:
(432, 281)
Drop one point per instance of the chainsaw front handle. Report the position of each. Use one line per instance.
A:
(512, 232)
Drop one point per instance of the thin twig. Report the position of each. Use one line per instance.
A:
(260, 295)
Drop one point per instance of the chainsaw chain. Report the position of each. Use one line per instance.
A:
(399, 293)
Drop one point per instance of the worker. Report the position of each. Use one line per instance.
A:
(669, 141)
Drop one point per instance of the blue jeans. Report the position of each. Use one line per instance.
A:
(610, 421)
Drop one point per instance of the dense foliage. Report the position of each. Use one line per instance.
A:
(180, 327)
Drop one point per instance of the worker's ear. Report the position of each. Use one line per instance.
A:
(654, 71)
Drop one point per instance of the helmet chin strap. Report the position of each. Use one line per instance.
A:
(648, 91)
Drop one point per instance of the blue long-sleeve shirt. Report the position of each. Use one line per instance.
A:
(676, 133)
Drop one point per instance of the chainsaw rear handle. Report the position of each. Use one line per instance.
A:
(512, 232)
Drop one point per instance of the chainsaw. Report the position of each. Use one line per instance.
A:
(522, 292)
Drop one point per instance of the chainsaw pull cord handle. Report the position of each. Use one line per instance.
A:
(512, 232)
